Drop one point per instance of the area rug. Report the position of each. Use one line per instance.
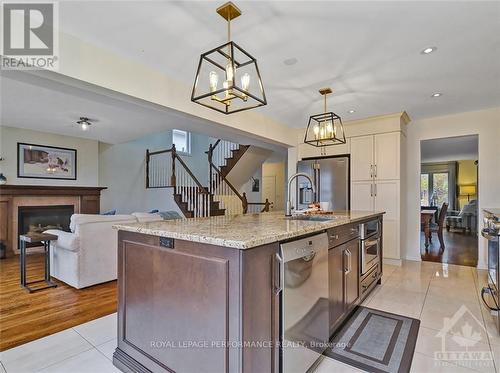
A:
(376, 341)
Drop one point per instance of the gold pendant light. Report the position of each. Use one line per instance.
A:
(325, 129)
(231, 65)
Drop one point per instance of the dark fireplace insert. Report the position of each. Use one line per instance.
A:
(36, 219)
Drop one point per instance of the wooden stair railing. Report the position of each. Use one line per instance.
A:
(231, 200)
(166, 169)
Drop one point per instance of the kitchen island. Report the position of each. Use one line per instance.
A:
(202, 295)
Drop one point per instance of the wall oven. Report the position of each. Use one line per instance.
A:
(370, 237)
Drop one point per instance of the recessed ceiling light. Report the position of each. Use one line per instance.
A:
(290, 61)
(437, 94)
(352, 111)
(428, 50)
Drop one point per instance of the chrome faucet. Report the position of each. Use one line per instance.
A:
(289, 207)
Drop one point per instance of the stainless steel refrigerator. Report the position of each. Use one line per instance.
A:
(331, 177)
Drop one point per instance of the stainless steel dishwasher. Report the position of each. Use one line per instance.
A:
(304, 326)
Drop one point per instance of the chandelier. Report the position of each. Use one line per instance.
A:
(325, 129)
(228, 78)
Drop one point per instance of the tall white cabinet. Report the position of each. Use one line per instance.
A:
(376, 182)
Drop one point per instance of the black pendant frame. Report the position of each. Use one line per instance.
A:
(249, 60)
(322, 118)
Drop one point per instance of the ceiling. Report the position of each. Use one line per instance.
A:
(450, 149)
(368, 52)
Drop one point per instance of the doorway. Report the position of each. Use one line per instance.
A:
(448, 200)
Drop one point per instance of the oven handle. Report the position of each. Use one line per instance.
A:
(490, 237)
(369, 243)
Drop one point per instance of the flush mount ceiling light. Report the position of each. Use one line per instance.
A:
(428, 50)
(231, 65)
(84, 123)
(352, 111)
(437, 94)
(325, 129)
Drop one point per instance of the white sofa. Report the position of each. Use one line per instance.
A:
(88, 254)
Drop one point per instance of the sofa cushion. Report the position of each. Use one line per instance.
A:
(77, 219)
(65, 240)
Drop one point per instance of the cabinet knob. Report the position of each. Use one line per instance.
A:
(334, 236)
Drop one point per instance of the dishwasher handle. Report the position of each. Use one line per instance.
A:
(278, 274)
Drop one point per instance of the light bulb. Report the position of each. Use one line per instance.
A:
(329, 128)
(214, 79)
(322, 132)
(229, 72)
(245, 81)
(316, 131)
(85, 126)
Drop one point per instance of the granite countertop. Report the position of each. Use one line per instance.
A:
(243, 231)
(493, 211)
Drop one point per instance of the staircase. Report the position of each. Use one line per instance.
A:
(166, 169)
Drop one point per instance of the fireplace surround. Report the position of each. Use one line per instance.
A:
(84, 200)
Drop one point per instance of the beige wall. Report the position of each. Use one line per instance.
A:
(87, 156)
(485, 124)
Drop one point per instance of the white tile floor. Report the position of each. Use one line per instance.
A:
(430, 292)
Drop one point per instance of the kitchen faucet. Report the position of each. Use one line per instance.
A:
(288, 211)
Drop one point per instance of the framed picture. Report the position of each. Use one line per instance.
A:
(45, 162)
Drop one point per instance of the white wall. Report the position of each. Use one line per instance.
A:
(87, 156)
(485, 124)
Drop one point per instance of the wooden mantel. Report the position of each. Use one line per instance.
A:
(86, 200)
(36, 190)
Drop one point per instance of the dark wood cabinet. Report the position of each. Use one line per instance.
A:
(343, 262)
(351, 277)
(185, 308)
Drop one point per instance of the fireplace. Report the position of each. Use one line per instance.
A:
(36, 219)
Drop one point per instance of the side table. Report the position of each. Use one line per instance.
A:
(44, 239)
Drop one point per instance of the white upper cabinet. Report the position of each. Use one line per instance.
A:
(387, 156)
(362, 158)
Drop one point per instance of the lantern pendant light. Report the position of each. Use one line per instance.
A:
(325, 129)
(228, 78)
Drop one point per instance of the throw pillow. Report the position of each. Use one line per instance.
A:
(170, 215)
(110, 212)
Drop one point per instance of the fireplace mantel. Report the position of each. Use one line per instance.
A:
(58, 190)
(86, 200)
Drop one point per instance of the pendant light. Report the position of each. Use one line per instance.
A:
(325, 129)
(228, 78)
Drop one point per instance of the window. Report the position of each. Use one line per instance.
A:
(182, 141)
(434, 189)
(424, 190)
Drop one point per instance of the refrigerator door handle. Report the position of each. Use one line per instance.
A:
(371, 190)
(371, 171)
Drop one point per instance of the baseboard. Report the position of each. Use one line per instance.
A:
(414, 258)
(394, 262)
(127, 364)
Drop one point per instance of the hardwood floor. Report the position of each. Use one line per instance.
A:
(459, 249)
(25, 317)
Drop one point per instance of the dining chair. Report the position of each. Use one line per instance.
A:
(438, 227)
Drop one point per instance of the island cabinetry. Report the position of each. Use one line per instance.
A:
(343, 262)
(190, 307)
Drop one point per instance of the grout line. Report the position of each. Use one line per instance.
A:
(93, 345)
(3, 367)
(67, 358)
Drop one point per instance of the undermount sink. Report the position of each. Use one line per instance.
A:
(313, 217)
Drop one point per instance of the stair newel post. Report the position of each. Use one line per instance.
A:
(173, 180)
(244, 203)
(210, 173)
(147, 168)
